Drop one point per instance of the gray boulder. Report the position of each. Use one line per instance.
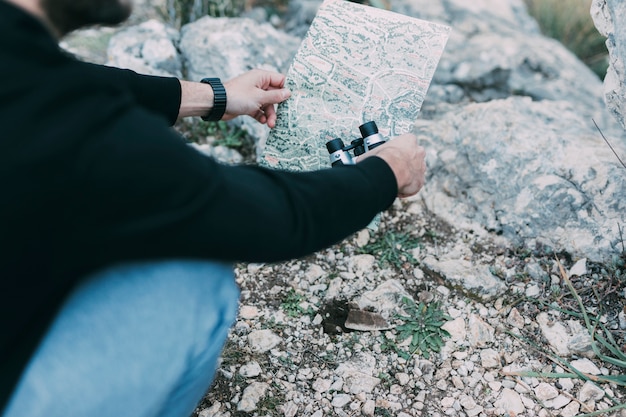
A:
(535, 172)
(148, 48)
(609, 17)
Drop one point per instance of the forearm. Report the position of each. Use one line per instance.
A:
(196, 99)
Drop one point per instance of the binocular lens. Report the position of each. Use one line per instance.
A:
(368, 129)
(334, 145)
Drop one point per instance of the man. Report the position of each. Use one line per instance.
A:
(116, 237)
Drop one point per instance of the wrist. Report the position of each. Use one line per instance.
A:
(219, 100)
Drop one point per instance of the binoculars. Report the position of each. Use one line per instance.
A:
(340, 154)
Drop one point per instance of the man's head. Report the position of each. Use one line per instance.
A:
(68, 15)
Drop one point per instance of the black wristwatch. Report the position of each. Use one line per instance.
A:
(219, 100)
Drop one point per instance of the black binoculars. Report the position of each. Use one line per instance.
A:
(340, 154)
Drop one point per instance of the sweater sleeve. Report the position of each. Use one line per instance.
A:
(165, 199)
(160, 95)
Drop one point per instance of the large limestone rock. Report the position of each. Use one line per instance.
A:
(534, 171)
(609, 16)
(148, 48)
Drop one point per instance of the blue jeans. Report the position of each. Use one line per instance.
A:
(138, 340)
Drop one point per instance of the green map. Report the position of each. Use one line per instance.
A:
(356, 64)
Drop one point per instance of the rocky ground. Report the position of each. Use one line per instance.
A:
(290, 353)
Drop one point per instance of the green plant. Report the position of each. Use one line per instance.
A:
(422, 325)
(181, 12)
(225, 134)
(570, 23)
(292, 305)
(393, 248)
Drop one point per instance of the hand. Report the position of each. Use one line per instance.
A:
(255, 93)
(406, 159)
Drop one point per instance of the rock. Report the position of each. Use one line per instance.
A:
(559, 197)
(322, 385)
(586, 366)
(533, 291)
(555, 333)
(368, 409)
(558, 402)
(480, 333)
(148, 48)
(515, 319)
(356, 382)
(251, 396)
(545, 391)
(250, 370)
(579, 268)
(490, 358)
(221, 153)
(456, 328)
(477, 280)
(341, 400)
(290, 409)
(609, 17)
(362, 264)
(248, 312)
(510, 402)
(571, 409)
(261, 341)
(590, 391)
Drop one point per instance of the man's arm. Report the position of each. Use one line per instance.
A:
(253, 94)
(164, 199)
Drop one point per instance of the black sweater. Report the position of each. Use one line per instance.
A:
(92, 174)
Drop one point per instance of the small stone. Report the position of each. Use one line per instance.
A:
(368, 409)
(403, 378)
(515, 319)
(590, 391)
(545, 391)
(251, 396)
(322, 385)
(261, 341)
(489, 358)
(456, 328)
(570, 410)
(533, 291)
(290, 409)
(558, 402)
(555, 333)
(579, 268)
(313, 273)
(362, 237)
(250, 370)
(248, 312)
(586, 366)
(480, 333)
(510, 402)
(341, 400)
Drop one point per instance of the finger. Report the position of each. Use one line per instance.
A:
(275, 96)
(270, 112)
(274, 80)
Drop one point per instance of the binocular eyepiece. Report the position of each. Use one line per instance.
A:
(340, 154)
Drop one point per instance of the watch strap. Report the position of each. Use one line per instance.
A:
(219, 100)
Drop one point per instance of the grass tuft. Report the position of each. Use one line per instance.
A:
(570, 22)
